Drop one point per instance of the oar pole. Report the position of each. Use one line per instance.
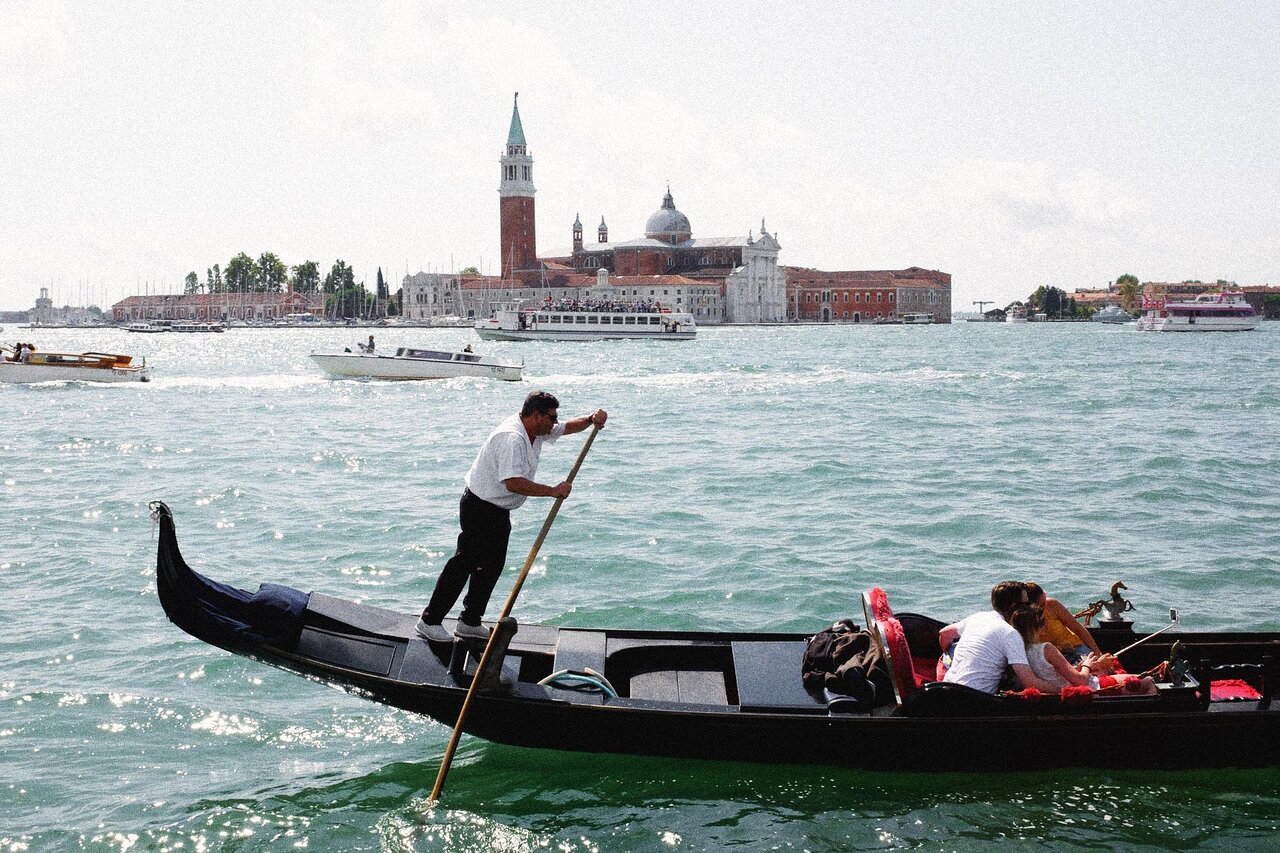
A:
(506, 611)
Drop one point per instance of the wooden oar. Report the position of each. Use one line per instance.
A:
(506, 611)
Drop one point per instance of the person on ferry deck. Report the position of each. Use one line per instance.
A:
(500, 479)
(986, 644)
(1063, 629)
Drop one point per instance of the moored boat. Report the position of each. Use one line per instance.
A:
(197, 327)
(1209, 312)
(582, 322)
(917, 318)
(412, 363)
(1112, 314)
(146, 328)
(740, 695)
(1016, 314)
(37, 366)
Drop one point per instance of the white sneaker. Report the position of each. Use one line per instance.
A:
(437, 633)
(470, 632)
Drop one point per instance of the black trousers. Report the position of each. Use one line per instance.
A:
(478, 563)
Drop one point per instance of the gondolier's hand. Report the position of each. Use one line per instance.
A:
(562, 490)
(598, 417)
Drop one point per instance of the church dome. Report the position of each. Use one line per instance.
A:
(668, 224)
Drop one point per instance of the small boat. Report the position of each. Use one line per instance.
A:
(1017, 314)
(918, 318)
(581, 323)
(410, 363)
(1112, 314)
(37, 366)
(146, 328)
(740, 696)
(197, 327)
(1209, 312)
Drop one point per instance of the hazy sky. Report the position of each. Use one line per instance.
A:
(1009, 144)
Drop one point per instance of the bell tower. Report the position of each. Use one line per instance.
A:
(518, 237)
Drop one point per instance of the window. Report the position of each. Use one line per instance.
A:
(890, 297)
(630, 320)
(879, 298)
(593, 320)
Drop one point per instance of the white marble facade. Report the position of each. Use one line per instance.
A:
(756, 292)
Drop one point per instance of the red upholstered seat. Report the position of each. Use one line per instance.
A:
(877, 602)
(899, 654)
(1232, 688)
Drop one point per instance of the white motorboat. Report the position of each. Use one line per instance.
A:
(1112, 314)
(410, 363)
(918, 318)
(197, 327)
(580, 323)
(145, 328)
(36, 366)
(1017, 314)
(1209, 312)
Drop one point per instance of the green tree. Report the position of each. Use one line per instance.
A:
(214, 283)
(306, 277)
(1130, 292)
(341, 277)
(469, 271)
(242, 274)
(272, 273)
(193, 283)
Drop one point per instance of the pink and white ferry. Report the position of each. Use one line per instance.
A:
(1208, 312)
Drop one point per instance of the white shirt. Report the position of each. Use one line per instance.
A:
(507, 453)
(987, 645)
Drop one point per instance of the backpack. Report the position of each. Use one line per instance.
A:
(845, 660)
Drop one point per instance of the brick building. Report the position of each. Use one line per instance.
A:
(717, 279)
(216, 307)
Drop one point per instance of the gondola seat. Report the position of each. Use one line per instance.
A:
(768, 677)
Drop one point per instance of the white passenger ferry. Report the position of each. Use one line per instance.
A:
(917, 318)
(583, 322)
(1208, 312)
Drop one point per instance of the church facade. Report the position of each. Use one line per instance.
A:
(716, 279)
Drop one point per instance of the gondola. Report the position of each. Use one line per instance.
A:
(739, 696)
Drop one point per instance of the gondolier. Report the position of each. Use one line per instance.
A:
(499, 480)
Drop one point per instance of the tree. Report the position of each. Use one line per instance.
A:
(1130, 292)
(241, 274)
(272, 273)
(193, 283)
(341, 277)
(306, 277)
(469, 271)
(215, 283)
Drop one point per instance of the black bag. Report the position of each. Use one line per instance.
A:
(845, 660)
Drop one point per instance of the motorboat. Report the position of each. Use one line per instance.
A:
(1112, 314)
(197, 327)
(1016, 314)
(582, 322)
(740, 696)
(917, 318)
(412, 363)
(146, 328)
(1228, 311)
(37, 366)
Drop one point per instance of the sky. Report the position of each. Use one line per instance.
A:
(1012, 145)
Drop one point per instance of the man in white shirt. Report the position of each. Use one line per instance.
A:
(987, 643)
(500, 479)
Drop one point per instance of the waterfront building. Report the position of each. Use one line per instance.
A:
(867, 296)
(217, 307)
(716, 279)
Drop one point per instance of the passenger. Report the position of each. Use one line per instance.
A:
(1063, 629)
(369, 349)
(467, 348)
(986, 644)
(1048, 663)
(24, 352)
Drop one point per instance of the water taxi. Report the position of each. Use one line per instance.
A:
(36, 366)
(410, 363)
(586, 322)
(1017, 314)
(146, 328)
(918, 318)
(1208, 312)
(1112, 314)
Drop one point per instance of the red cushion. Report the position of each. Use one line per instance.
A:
(895, 641)
(880, 609)
(1232, 688)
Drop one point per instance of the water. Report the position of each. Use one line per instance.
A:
(751, 479)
